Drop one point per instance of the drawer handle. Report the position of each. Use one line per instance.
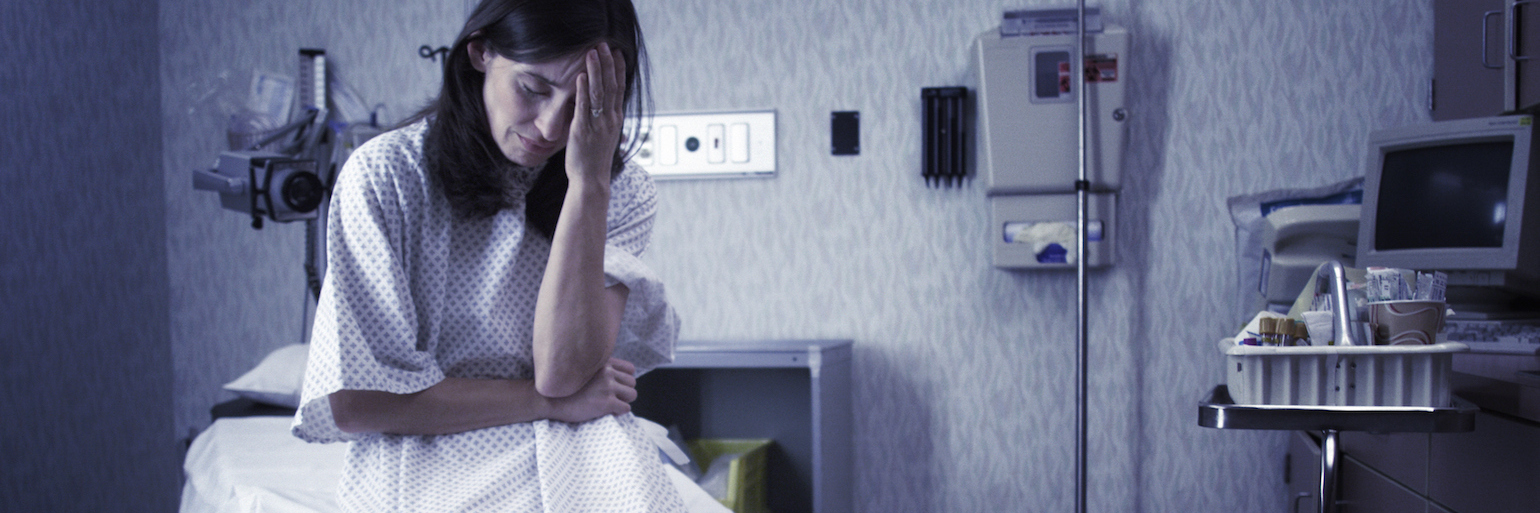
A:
(1513, 28)
(1297, 497)
(1485, 37)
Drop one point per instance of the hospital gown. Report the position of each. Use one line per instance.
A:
(414, 295)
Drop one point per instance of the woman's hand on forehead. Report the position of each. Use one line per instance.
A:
(598, 114)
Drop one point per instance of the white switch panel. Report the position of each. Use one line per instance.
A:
(710, 145)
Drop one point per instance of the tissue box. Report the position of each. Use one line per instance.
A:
(746, 475)
(1385, 376)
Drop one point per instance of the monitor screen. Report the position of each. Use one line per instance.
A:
(1446, 196)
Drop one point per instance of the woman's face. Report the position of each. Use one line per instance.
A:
(529, 106)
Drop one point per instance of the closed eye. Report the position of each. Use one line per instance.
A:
(529, 91)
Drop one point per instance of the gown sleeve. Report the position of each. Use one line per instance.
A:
(649, 327)
(368, 332)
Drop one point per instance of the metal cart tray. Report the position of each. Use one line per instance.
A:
(1219, 411)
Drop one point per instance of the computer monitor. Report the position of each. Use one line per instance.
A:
(1456, 196)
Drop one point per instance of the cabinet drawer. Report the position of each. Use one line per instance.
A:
(1401, 456)
(1494, 468)
(1365, 491)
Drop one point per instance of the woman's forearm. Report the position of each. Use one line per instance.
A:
(576, 317)
(463, 404)
(450, 406)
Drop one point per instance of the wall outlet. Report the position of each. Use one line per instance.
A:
(738, 144)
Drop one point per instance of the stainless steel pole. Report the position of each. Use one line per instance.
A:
(1083, 196)
(1082, 193)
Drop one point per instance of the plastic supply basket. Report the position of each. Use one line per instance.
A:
(1346, 374)
(1383, 376)
(746, 474)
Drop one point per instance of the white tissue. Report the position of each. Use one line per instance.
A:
(1042, 235)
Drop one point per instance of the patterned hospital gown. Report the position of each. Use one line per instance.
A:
(414, 295)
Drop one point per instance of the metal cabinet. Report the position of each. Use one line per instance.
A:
(1364, 490)
(1486, 57)
(1302, 471)
(1494, 468)
(796, 392)
(1360, 488)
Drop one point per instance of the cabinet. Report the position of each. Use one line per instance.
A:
(1365, 491)
(1486, 57)
(1495, 468)
(1360, 489)
(796, 392)
(1302, 471)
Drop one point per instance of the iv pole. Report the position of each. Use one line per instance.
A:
(1082, 193)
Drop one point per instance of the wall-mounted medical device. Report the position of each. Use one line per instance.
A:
(1038, 231)
(1029, 114)
(285, 175)
(269, 185)
(693, 145)
(284, 185)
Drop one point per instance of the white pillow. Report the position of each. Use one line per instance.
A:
(277, 380)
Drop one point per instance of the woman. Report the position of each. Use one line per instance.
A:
(484, 311)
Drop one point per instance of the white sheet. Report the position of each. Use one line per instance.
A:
(253, 464)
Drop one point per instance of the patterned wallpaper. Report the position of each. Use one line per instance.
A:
(85, 375)
(964, 373)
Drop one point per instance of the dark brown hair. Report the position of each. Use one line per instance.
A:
(459, 150)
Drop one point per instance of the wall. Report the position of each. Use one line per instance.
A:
(85, 380)
(964, 373)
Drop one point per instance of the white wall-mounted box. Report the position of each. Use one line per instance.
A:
(1029, 113)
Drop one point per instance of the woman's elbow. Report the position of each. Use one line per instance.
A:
(557, 384)
(563, 374)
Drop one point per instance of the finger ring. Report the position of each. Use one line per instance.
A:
(596, 112)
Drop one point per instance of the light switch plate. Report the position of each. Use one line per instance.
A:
(733, 144)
